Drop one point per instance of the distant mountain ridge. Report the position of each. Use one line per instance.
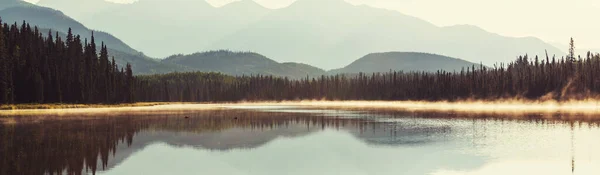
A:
(192, 24)
(404, 61)
(324, 33)
(311, 31)
(251, 63)
(248, 63)
(227, 62)
(4, 4)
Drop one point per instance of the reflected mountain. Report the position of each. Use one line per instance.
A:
(102, 142)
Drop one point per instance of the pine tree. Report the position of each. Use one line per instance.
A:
(571, 57)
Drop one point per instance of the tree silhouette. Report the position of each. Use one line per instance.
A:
(46, 69)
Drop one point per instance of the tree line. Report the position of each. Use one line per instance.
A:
(41, 69)
(37, 68)
(526, 78)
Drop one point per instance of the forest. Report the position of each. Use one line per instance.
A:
(527, 78)
(37, 68)
(42, 69)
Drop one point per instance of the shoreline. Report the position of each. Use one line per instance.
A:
(112, 109)
(504, 106)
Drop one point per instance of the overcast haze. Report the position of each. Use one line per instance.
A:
(545, 19)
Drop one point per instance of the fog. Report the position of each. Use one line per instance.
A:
(545, 19)
(511, 106)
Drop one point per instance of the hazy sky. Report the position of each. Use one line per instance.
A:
(554, 21)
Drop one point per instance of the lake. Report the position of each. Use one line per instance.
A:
(259, 140)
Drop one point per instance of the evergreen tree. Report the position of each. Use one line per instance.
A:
(5, 68)
(571, 56)
(38, 69)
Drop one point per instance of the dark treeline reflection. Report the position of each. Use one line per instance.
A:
(80, 145)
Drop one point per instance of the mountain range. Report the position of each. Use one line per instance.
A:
(305, 32)
(324, 33)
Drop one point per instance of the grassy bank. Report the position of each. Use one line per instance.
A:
(71, 106)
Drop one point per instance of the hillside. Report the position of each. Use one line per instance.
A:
(403, 61)
(13, 3)
(53, 19)
(242, 63)
(143, 65)
(49, 19)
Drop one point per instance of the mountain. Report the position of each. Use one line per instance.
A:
(403, 61)
(191, 25)
(242, 63)
(324, 33)
(304, 69)
(4, 4)
(143, 65)
(329, 33)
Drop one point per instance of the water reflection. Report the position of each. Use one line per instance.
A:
(296, 141)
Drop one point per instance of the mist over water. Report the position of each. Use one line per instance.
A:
(510, 106)
(291, 139)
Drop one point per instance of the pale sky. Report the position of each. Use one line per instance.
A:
(553, 21)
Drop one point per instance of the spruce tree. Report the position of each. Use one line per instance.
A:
(571, 57)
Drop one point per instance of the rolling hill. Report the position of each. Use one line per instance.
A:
(242, 63)
(403, 61)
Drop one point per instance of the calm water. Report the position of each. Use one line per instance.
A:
(289, 140)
